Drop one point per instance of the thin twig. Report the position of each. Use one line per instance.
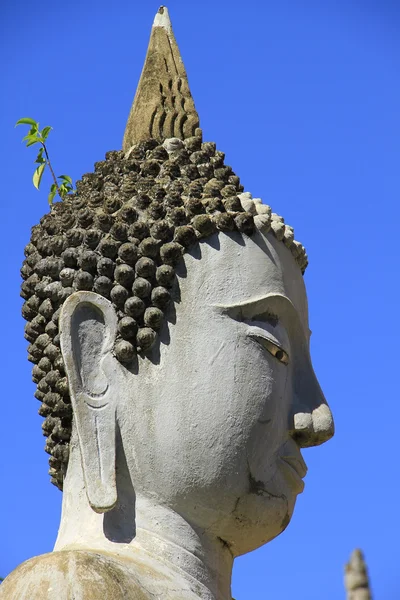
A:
(51, 169)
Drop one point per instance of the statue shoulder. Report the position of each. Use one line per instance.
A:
(72, 574)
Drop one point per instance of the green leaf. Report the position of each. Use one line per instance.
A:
(40, 158)
(67, 189)
(27, 121)
(32, 132)
(45, 132)
(37, 176)
(65, 178)
(53, 192)
(32, 140)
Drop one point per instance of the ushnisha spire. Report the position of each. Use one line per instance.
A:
(163, 106)
(356, 578)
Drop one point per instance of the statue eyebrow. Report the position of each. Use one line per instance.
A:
(261, 308)
(264, 309)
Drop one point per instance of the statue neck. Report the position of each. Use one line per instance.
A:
(163, 550)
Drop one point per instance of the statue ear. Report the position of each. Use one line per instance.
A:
(88, 326)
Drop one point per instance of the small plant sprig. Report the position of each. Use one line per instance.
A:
(63, 183)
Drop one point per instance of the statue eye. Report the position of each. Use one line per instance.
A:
(273, 349)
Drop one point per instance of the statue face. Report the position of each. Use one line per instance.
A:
(213, 426)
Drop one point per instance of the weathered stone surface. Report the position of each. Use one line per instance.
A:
(356, 578)
(163, 106)
(169, 331)
(134, 226)
(210, 426)
(73, 575)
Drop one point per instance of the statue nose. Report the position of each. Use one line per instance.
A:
(311, 420)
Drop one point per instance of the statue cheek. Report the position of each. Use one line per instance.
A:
(270, 432)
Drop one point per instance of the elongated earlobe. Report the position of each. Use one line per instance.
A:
(88, 324)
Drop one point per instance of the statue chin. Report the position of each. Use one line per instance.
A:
(249, 532)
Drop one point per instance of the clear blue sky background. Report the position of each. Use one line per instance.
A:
(304, 98)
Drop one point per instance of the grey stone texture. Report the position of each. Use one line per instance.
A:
(356, 578)
(73, 575)
(121, 235)
(163, 106)
(168, 327)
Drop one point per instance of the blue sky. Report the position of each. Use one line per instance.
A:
(304, 98)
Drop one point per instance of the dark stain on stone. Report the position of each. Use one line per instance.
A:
(285, 521)
(256, 487)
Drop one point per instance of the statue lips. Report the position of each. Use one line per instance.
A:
(293, 465)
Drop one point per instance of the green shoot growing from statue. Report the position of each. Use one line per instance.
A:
(62, 185)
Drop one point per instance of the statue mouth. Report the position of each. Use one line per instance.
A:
(294, 467)
(297, 464)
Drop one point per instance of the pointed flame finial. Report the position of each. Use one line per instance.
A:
(163, 106)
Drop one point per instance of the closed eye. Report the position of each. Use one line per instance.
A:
(272, 348)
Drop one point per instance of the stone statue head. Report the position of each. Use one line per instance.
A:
(167, 317)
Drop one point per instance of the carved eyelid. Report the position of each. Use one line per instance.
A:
(257, 331)
(270, 343)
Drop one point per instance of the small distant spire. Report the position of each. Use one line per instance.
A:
(356, 578)
(163, 106)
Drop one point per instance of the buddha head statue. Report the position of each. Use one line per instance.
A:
(168, 327)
